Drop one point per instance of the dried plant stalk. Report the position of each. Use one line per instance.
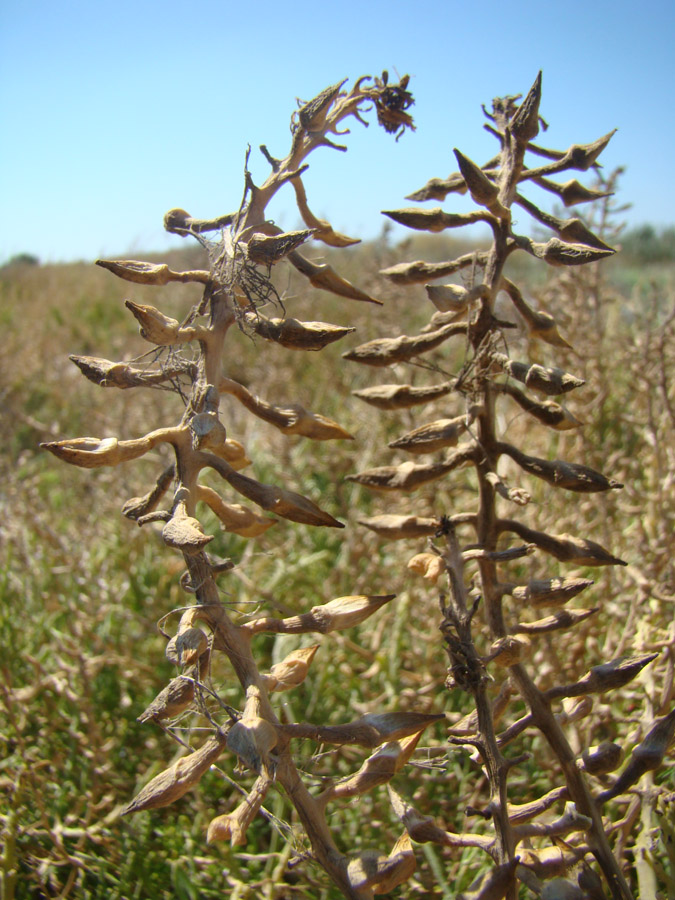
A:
(480, 625)
(242, 248)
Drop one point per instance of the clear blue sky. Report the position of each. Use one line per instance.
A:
(114, 113)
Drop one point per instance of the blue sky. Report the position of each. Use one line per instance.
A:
(114, 113)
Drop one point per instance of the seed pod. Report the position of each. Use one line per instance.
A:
(395, 528)
(137, 507)
(208, 432)
(155, 326)
(237, 519)
(548, 381)
(185, 533)
(448, 297)
(286, 504)
(435, 436)
(377, 769)
(253, 737)
(508, 651)
(560, 889)
(291, 671)
(605, 677)
(483, 191)
(564, 618)
(105, 373)
(296, 335)
(382, 874)
(419, 271)
(550, 413)
(408, 476)
(571, 476)
(387, 351)
(540, 324)
(402, 396)
(234, 825)
(439, 188)
(290, 419)
(370, 730)
(336, 615)
(493, 884)
(565, 547)
(647, 756)
(312, 115)
(604, 758)
(173, 699)
(550, 861)
(557, 253)
(524, 124)
(428, 565)
(186, 647)
(551, 591)
(572, 192)
(149, 273)
(91, 452)
(323, 231)
(269, 249)
(325, 278)
(433, 220)
(174, 782)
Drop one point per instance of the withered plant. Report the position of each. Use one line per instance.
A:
(497, 620)
(190, 358)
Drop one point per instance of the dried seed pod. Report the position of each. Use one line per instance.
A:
(185, 533)
(557, 253)
(325, 278)
(574, 709)
(433, 220)
(402, 396)
(382, 874)
(605, 677)
(377, 769)
(336, 615)
(150, 273)
(604, 758)
(395, 528)
(572, 192)
(186, 647)
(439, 188)
(291, 671)
(419, 271)
(435, 436)
(91, 452)
(290, 419)
(508, 651)
(269, 249)
(173, 699)
(286, 504)
(560, 889)
(563, 618)
(548, 381)
(137, 507)
(565, 547)
(550, 591)
(493, 884)
(296, 335)
(524, 124)
(106, 373)
(174, 782)
(647, 756)
(155, 326)
(236, 518)
(233, 826)
(550, 861)
(323, 231)
(483, 191)
(387, 351)
(371, 730)
(550, 413)
(409, 476)
(428, 565)
(448, 297)
(570, 476)
(540, 324)
(253, 737)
